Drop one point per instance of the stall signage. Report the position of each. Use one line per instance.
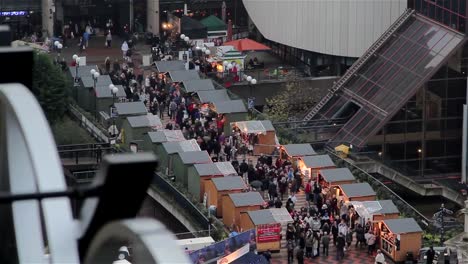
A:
(268, 233)
(14, 13)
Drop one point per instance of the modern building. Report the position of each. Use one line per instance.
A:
(403, 98)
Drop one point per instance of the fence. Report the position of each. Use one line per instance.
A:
(88, 125)
(86, 155)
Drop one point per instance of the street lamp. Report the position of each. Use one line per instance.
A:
(95, 76)
(77, 65)
(58, 49)
(251, 100)
(420, 163)
(185, 38)
(114, 90)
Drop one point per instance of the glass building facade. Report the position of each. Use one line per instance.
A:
(449, 12)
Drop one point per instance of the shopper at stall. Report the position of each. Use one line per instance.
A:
(380, 258)
(370, 240)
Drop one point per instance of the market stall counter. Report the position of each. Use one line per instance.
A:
(235, 204)
(356, 192)
(184, 160)
(217, 188)
(400, 236)
(268, 224)
(167, 152)
(259, 136)
(311, 165)
(200, 174)
(333, 177)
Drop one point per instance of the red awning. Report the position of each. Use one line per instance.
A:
(246, 45)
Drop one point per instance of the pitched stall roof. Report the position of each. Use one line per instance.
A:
(281, 215)
(261, 217)
(213, 23)
(386, 207)
(131, 108)
(227, 107)
(148, 120)
(226, 168)
(103, 80)
(213, 96)
(194, 86)
(217, 168)
(402, 225)
(105, 92)
(181, 146)
(246, 199)
(318, 161)
(246, 45)
(299, 150)
(82, 70)
(357, 189)
(194, 157)
(255, 126)
(180, 76)
(229, 183)
(336, 175)
(166, 136)
(167, 66)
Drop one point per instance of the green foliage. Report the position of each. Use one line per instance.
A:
(49, 87)
(66, 131)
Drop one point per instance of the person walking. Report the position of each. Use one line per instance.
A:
(325, 243)
(340, 245)
(430, 255)
(299, 255)
(370, 240)
(109, 39)
(290, 247)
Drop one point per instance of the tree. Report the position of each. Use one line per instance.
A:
(293, 101)
(49, 87)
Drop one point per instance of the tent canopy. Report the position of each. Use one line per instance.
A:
(166, 136)
(255, 126)
(213, 96)
(193, 28)
(180, 76)
(193, 86)
(227, 107)
(213, 23)
(131, 108)
(167, 66)
(299, 150)
(246, 45)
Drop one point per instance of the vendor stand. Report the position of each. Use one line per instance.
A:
(258, 136)
(217, 188)
(235, 204)
(333, 177)
(127, 109)
(356, 192)
(213, 96)
(105, 99)
(375, 211)
(86, 96)
(168, 150)
(180, 76)
(167, 66)
(229, 111)
(194, 86)
(311, 165)
(295, 151)
(135, 127)
(184, 160)
(199, 174)
(155, 139)
(400, 236)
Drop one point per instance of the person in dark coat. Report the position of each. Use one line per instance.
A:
(300, 255)
(340, 244)
(430, 255)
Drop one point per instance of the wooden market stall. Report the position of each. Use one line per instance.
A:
(80, 92)
(268, 224)
(258, 133)
(375, 211)
(195, 86)
(105, 99)
(234, 204)
(217, 188)
(127, 109)
(136, 127)
(184, 160)
(356, 192)
(400, 236)
(333, 177)
(87, 98)
(168, 150)
(167, 66)
(199, 174)
(155, 139)
(230, 111)
(311, 165)
(294, 152)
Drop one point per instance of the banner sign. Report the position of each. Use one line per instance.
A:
(269, 233)
(225, 248)
(235, 255)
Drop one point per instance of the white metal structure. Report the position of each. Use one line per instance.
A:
(334, 27)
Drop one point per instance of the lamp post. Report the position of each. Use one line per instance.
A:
(114, 90)
(420, 162)
(440, 218)
(95, 76)
(58, 49)
(251, 100)
(186, 39)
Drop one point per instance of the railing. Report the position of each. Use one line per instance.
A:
(88, 155)
(82, 146)
(88, 125)
(83, 177)
(416, 214)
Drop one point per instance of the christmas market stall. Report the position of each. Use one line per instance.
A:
(295, 152)
(213, 96)
(167, 66)
(375, 211)
(194, 86)
(136, 127)
(356, 192)
(217, 188)
(199, 174)
(127, 109)
(86, 97)
(258, 136)
(168, 150)
(400, 236)
(229, 112)
(185, 75)
(105, 99)
(155, 139)
(79, 91)
(311, 165)
(268, 224)
(234, 204)
(333, 177)
(184, 160)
